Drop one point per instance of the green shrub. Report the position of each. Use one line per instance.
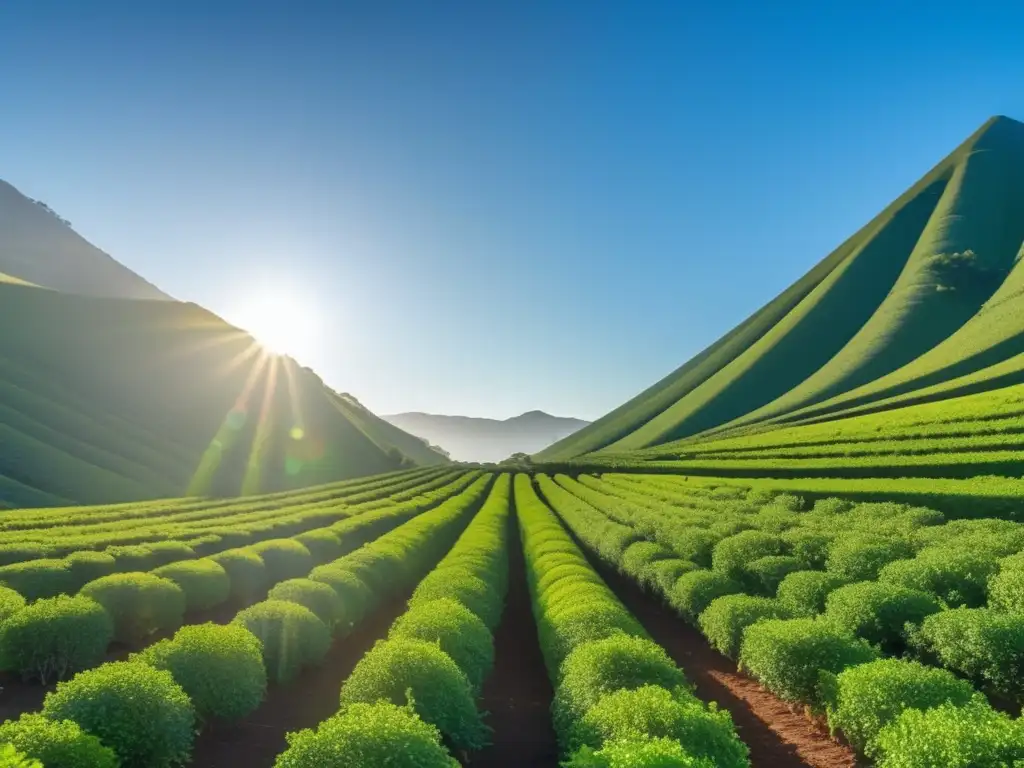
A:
(291, 634)
(132, 558)
(665, 573)
(204, 582)
(323, 545)
(284, 558)
(86, 566)
(809, 546)
(12, 758)
(694, 544)
(55, 637)
(368, 736)
(601, 667)
(457, 630)
(19, 553)
(318, 597)
(219, 667)
(10, 603)
(637, 753)
(788, 655)
(869, 696)
(985, 645)
(654, 712)
(164, 552)
(464, 586)
(136, 710)
(640, 555)
(764, 574)
(36, 579)
(583, 620)
(1006, 590)
(955, 578)
(724, 621)
(973, 736)
(804, 592)
(56, 743)
(860, 558)
(139, 603)
(247, 573)
(356, 598)
(878, 612)
(694, 591)
(441, 694)
(732, 555)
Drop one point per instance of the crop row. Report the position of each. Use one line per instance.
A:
(143, 712)
(819, 619)
(424, 679)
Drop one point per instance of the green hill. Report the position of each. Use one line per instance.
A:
(921, 304)
(106, 400)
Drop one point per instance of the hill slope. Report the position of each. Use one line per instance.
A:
(924, 299)
(39, 247)
(474, 439)
(105, 400)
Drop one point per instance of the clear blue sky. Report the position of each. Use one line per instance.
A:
(492, 206)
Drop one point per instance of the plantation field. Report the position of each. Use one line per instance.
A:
(445, 616)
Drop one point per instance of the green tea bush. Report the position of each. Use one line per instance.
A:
(694, 544)
(205, 582)
(55, 637)
(805, 592)
(136, 710)
(441, 694)
(810, 546)
(139, 603)
(284, 558)
(724, 621)
(732, 555)
(368, 736)
(860, 558)
(10, 603)
(601, 667)
(36, 579)
(86, 566)
(955, 578)
(164, 552)
(788, 655)
(640, 556)
(464, 586)
(637, 753)
(878, 612)
(356, 598)
(20, 552)
(291, 635)
(456, 630)
(12, 758)
(247, 573)
(985, 645)
(694, 591)
(323, 545)
(870, 696)
(972, 736)
(664, 574)
(764, 575)
(132, 558)
(655, 712)
(56, 743)
(1006, 590)
(583, 619)
(318, 597)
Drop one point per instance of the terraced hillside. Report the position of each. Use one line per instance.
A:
(921, 305)
(105, 400)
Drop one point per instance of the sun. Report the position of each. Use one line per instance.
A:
(279, 321)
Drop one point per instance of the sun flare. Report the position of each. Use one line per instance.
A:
(279, 321)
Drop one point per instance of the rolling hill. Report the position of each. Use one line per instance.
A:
(488, 440)
(922, 304)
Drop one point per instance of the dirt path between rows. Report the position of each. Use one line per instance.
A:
(777, 736)
(517, 695)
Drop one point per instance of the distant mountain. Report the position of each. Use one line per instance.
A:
(38, 246)
(474, 439)
(925, 302)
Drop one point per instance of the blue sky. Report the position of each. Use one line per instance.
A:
(490, 207)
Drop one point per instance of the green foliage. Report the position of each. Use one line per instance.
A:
(205, 582)
(55, 637)
(805, 592)
(693, 592)
(56, 743)
(637, 753)
(136, 710)
(733, 554)
(291, 635)
(764, 575)
(860, 558)
(878, 612)
(973, 736)
(953, 577)
(356, 598)
(219, 667)
(18, 552)
(788, 655)
(10, 603)
(284, 558)
(322, 544)
(318, 597)
(869, 696)
(441, 693)
(36, 579)
(456, 630)
(810, 546)
(664, 574)
(86, 566)
(247, 573)
(1006, 589)
(139, 603)
(368, 736)
(12, 758)
(725, 620)
(655, 712)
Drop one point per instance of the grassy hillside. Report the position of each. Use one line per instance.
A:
(105, 400)
(922, 304)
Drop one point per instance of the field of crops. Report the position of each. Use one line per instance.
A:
(444, 617)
